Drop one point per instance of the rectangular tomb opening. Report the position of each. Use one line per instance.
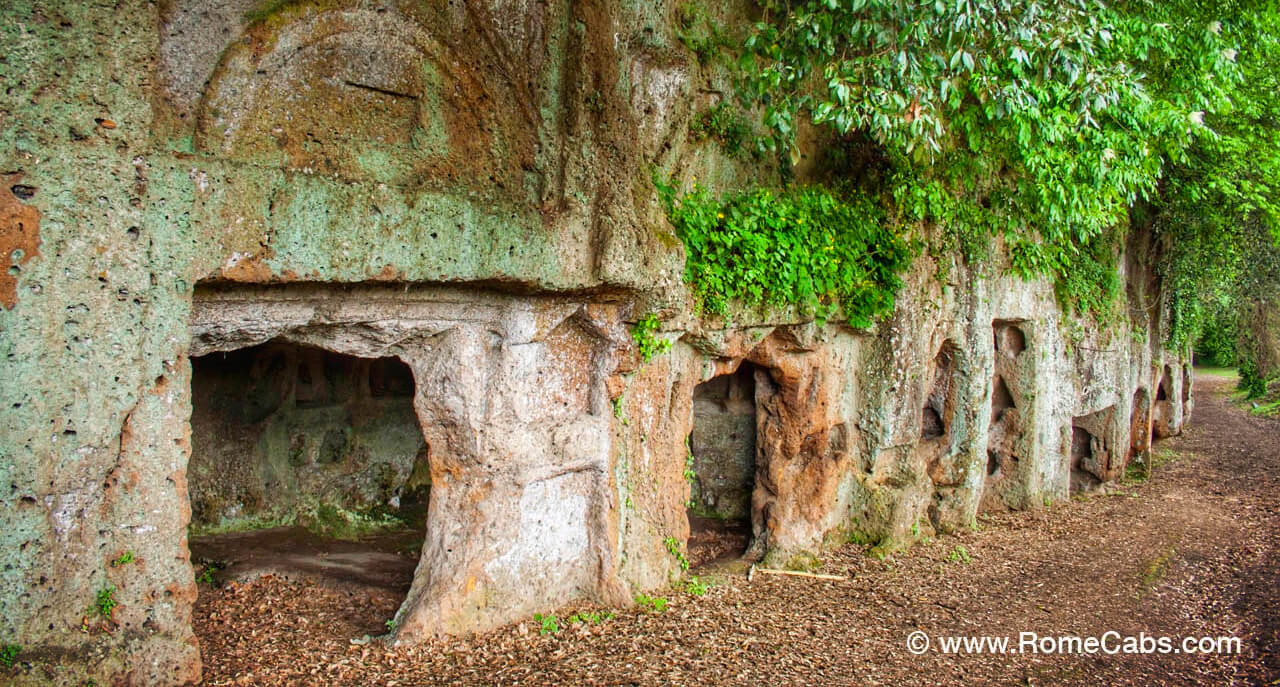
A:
(722, 466)
(1092, 459)
(307, 463)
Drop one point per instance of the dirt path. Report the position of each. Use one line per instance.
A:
(1193, 552)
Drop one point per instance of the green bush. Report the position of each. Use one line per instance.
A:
(804, 247)
(1217, 343)
(1251, 382)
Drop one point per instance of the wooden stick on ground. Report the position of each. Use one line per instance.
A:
(794, 573)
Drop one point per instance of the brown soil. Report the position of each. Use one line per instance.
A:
(1195, 551)
(293, 553)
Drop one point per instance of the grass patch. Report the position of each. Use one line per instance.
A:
(1267, 409)
(696, 586)
(652, 604)
(245, 524)
(547, 624)
(339, 523)
(1157, 569)
(1139, 471)
(1222, 372)
(590, 617)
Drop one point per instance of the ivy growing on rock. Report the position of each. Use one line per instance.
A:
(804, 247)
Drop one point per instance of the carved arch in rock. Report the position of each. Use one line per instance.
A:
(364, 95)
(803, 447)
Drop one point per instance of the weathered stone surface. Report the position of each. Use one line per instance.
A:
(19, 235)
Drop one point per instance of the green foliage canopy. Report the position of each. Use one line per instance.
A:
(1044, 121)
(1042, 112)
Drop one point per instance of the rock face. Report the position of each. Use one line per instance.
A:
(263, 256)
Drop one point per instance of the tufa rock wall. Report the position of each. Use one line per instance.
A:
(462, 187)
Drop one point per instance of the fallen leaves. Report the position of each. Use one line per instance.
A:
(1074, 568)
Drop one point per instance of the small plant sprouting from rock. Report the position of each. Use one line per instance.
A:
(548, 624)
(122, 559)
(206, 574)
(724, 124)
(703, 37)
(648, 344)
(9, 654)
(653, 604)
(393, 623)
(105, 602)
(959, 555)
(673, 548)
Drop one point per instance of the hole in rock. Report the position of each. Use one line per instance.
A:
(938, 405)
(307, 464)
(1162, 409)
(931, 426)
(1081, 457)
(1091, 450)
(722, 466)
(1001, 400)
(993, 462)
(1009, 338)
